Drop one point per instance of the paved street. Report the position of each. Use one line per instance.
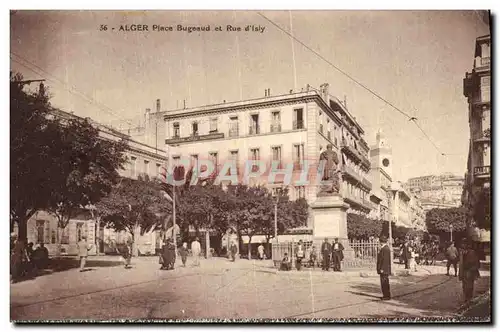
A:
(221, 289)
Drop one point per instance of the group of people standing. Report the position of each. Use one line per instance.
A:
(168, 254)
(466, 258)
(332, 256)
(25, 260)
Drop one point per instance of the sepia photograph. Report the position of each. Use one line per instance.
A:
(250, 166)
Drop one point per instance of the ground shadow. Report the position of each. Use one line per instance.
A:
(61, 264)
(437, 295)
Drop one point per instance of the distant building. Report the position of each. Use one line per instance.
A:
(437, 191)
(477, 91)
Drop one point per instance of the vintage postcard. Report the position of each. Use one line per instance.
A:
(250, 166)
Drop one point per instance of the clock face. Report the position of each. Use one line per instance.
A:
(385, 162)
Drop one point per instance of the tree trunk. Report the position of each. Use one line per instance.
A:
(250, 247)
(22, 229)
(135, 249)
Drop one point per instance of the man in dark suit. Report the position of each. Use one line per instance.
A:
(326, 251)
(384, 268)
(337, 255)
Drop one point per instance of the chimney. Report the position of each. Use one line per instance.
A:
(291, 91)
(265, 93)
(324, 91)
(184, 103)
(269, 92)
(345, 101)
(158, 105)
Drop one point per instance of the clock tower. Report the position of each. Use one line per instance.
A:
(381, 154)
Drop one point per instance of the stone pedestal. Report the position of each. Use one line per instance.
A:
(329, 217)
(329, 220)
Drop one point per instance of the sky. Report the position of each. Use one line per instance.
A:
(414, 59)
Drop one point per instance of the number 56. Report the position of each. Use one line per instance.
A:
(103, 28)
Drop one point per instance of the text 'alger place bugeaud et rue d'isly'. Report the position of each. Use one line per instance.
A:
(190, 29)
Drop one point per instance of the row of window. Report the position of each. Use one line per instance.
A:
(254, 127)
(44, 234)
(137, 168)
(254, 154)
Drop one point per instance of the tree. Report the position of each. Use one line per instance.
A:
(291, 214)
(134, 206)
(34, 143)
(482, 209)
(438, 221)
(362, 228)
(87, 167)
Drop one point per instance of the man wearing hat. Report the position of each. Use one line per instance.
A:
(468, 270)
(384, 268)
(326, 251)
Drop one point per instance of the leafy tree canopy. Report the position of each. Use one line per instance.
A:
(439, 220)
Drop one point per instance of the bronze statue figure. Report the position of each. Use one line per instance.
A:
(330, 172)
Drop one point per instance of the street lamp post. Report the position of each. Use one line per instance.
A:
(451, 233)
(276, 218)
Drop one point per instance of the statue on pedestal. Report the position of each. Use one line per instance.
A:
(331, 173)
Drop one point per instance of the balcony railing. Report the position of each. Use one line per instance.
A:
(234, 130)
(355, 153)
(275, 127)
(193, 137)
(483, 136)
(482, 170)
(482, 62)
(253, 130)
(298, 124)
(297, 165)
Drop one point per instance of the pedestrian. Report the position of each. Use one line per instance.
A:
(299, 255)
(19, 260)
(406, 255)
(41, 256)
(337, 255)
(127, 253)
(196, 250)
(286, 265)
(412, 258)
(469, 270)
(83, 252)
(326, 251)
(171, 254)
(164, 255)
(233, 250)
(260, 251)
(384, 268)
(313, 257)
(452, 258)
(183, 252)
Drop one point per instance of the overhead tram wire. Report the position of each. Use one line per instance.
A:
(409, 117)
(71, 89)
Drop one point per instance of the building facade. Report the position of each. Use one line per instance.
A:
(43, 227)
(477, 91)
(290, 131)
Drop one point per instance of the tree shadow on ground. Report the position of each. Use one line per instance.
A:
(435, 296)
(61, 264)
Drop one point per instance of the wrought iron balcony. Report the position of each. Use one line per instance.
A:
(233, 130)
(275, 127)
(193, 137)
(298, 124)
(253, 130)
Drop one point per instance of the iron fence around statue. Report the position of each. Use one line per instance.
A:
(357, 253)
